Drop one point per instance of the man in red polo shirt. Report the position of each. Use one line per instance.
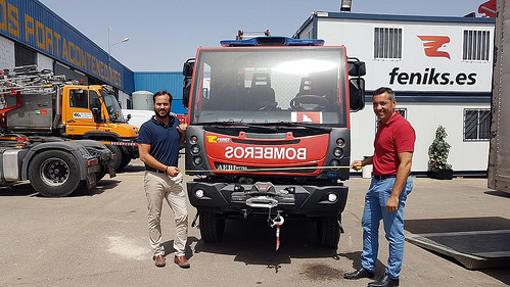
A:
(386, 197)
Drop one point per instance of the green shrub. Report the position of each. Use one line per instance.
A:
(438, 151)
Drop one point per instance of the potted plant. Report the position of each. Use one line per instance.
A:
(438, 157)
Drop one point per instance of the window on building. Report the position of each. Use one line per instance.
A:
(24, 56)
(402, 112)
(477, 124)
(79, 99)
(387, 43)
(476, 45)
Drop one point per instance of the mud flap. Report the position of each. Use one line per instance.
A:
(91, 181)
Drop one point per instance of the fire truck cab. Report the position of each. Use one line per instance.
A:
(269, 132)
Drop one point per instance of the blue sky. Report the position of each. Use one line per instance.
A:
(164, 33)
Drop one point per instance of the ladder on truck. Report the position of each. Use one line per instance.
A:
(25, 81)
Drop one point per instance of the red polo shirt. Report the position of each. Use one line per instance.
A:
(395, 136)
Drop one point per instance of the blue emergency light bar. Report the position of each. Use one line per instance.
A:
(271, 41)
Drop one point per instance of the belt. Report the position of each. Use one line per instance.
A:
(148, 168)
(381, 177)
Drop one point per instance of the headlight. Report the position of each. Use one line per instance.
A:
(340, 142)
(199, 193)
(193, 140)
(195, 149)
(334, 163)
(197, 160)
(338, 152)
(332, 197)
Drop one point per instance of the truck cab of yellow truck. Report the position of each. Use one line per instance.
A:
(93, 112)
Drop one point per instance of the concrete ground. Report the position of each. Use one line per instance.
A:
(100, 239)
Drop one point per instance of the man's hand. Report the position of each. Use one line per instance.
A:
(392, 203)
(357, 165)
(172, 171)
(182, 127)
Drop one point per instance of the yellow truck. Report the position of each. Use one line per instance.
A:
(43, 104)
(93, 112)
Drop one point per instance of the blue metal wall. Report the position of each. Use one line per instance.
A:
(157, 81)
(33, 24)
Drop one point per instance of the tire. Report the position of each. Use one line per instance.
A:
(212, 226)
(328, 232)
(118, 156)
(54, 173)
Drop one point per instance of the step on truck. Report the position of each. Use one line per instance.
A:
(31, 150)
(269, 132)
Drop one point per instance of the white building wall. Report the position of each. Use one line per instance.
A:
(123, 98)
(307, 32)
(44, 62)
(6, 53)
(358, 38)
(425, 118)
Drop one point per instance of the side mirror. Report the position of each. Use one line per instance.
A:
(187, 71)
(357, 96)
(356, 67)
(128, 117)
(95, 107)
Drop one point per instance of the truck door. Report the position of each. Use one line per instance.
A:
(79, 116)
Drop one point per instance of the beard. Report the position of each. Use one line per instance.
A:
(161, 113)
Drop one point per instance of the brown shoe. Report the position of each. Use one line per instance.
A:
(181, 261)
(159, 260)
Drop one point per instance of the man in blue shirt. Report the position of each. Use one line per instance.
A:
(159, 142)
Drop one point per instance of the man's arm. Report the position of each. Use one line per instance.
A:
(358, 164)
(181, 128)
(148, 159)
(403, 171)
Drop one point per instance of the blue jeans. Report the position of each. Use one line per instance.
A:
(375, 210)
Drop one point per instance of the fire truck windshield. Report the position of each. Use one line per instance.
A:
(270, 85)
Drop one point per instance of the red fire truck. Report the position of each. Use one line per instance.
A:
(269, 132)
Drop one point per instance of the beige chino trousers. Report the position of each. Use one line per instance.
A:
(159, 187)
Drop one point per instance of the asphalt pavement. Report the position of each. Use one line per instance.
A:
(99, 238)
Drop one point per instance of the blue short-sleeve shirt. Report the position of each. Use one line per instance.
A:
(164, 140)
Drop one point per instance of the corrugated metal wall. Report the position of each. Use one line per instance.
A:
(33, 24)
(157, 81)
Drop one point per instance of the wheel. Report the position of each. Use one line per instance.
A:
(118, 156)
(212, 226)
(54, 173)
(328, 232)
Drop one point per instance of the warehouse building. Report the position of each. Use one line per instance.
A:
(32, 34)
(440, 68)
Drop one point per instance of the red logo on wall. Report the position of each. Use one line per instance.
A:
(432, 44)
